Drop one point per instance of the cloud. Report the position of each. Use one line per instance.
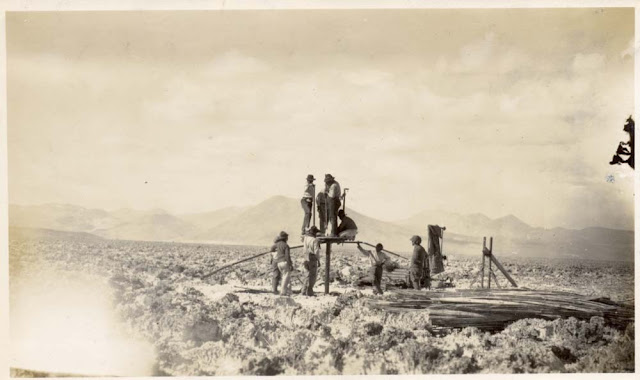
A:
(234, 63)
(588, 62)
(367, 77)
(476, 54)
(630, 50)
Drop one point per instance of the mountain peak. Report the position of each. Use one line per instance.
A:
(512, 219)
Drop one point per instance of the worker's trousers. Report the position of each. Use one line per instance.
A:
(333, 204)
(415, 276)
(349, 234)
(275, 277)
(306, 204)
(376, 273)
(322, 215)
(310, 276)
(285, 271)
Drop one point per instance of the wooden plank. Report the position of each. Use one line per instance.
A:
(494, 309)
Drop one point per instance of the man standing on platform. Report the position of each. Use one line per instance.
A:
(321, 202)
(419, 260)
(312, 260)
(307, 202)
(377, 261)
(333, 204)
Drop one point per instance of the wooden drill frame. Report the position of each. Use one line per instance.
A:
(487, 254)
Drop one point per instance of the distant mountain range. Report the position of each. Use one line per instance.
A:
(259, 224)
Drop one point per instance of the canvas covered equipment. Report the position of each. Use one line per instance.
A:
(434, 252)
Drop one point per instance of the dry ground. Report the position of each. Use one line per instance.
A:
(229, 324)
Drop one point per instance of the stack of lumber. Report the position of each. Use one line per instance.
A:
(494, 309)
(397, 277)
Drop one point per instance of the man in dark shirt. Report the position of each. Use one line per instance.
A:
(419, 261)
(347, 227)
(281, 264)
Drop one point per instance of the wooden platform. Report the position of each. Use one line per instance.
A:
(494, 309)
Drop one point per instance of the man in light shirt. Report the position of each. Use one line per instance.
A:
(333, 204)
(377, 260)
(307, 202)
(311, 251)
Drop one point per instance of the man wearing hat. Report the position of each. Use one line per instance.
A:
(333, 204)
(281, 265)
(419, 261)
(307, 202)
(312, 262)
(377, 261)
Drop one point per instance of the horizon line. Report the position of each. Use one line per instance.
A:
(396, 222)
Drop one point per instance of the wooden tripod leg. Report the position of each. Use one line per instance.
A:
(495, 279)
(490, 255)
(504, 271)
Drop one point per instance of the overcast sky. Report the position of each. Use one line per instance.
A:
(493, 111)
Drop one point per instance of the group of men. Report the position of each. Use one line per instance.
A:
(328, 204)
(282, 265)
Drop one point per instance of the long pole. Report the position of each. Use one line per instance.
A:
(344, 197)
(384, 250)
(313, 205)
(242, 261)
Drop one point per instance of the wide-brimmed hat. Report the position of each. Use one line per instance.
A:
(310, 177)
(415, 239)
(313, 231)
(328, 177)
(283, 234)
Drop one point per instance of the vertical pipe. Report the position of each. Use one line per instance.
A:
(313, 205)
(327, 268)
(344, 198)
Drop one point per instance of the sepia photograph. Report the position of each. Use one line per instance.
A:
(275, 191)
